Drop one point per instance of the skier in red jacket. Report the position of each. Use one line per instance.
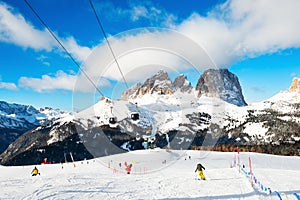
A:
(128, 168)
(45, 161)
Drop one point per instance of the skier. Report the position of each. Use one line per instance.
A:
(128, 168)
(46, 161)
(35, 172)
(200, 172)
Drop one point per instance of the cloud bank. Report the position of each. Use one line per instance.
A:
(16, 30)
(229, 33)
(238, 30)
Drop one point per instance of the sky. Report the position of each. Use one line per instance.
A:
(257, 40)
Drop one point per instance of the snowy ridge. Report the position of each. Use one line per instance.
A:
(164, 113)
(14, 115)
(17, 115)
(16, 119)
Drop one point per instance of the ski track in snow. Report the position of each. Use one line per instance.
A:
(174, 181)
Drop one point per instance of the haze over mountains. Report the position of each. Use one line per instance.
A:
(172, 114)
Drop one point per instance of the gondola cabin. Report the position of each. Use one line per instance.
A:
(137, 137)
(112, 120)
(135, 116)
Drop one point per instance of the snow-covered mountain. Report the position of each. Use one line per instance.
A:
(177, 120)
(16, 119)
(17, 116)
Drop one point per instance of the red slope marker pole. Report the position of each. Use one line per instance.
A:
(250, 165)
(239, 161)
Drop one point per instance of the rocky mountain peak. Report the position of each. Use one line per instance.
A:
(221, 83)
(159, 83)
(131, 92)
(295, 86)
(160, 75)
(181, 83)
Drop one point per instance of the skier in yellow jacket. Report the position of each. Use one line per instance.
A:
(35, 172)
(200, 172)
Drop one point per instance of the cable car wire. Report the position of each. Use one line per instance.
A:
(108, 44)
(69, 54)
(62, 46)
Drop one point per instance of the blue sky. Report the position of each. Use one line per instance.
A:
(257, 40)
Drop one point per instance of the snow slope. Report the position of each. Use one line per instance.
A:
(152, 179)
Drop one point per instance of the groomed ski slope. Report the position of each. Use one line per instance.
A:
(151, 178)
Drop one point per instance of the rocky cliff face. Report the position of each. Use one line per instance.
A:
(221, 83)
(160, 83)
(295, 87)
(182, 84)
(131, 92)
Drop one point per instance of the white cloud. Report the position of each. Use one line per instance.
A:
(138, 12)
(231, 32)
(8, 86)
(78, 52)
(154, 16)
(150, 50)
(249, 28)
(43, 59)
(16, 30)
(61, 81)
(46, 83)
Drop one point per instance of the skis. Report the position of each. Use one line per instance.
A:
(199, 179)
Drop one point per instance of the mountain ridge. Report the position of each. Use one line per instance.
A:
(177, 121)
(16, 119)
(219, 83)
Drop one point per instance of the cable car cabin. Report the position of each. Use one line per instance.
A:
(135, 116)
(113, 120)
(137, 137)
